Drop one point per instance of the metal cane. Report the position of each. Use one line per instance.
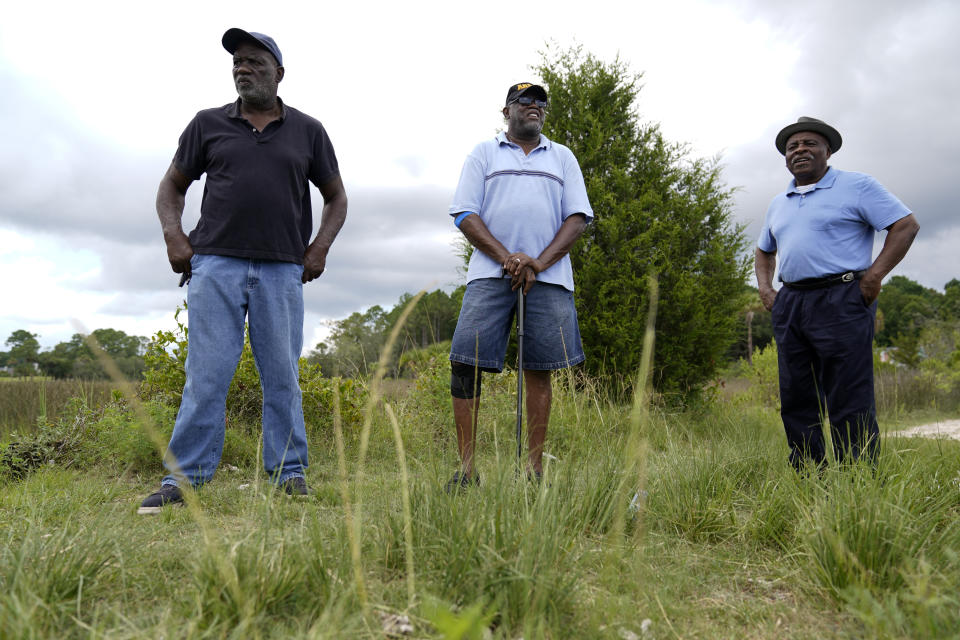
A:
(519, 371)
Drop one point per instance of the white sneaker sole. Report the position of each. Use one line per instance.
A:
(152, 511)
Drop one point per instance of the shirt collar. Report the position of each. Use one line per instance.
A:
(823, 183)
(545, 142)
(233, 109)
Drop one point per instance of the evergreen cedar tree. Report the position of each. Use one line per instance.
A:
(658, 212)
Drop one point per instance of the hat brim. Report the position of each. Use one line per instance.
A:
(834, 140)
(233, 38)
(535, 89)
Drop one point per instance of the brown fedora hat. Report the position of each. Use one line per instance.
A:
(809, 124)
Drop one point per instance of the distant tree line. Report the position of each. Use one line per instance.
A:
(75, 358)
(356, 342)
(915, 322)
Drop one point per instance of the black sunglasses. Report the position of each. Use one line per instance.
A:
(527, 101)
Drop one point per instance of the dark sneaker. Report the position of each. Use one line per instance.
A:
(155, 502)
(461, 481)
(295, 486)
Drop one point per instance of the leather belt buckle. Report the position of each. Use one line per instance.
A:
(847, 277)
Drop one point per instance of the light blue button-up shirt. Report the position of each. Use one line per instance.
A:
(522, 199)
(830, 229)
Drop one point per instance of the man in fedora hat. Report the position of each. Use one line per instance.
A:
(247, 260)
(822, 229)
(521, 201)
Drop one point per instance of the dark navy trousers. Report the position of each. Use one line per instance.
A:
(825, 357)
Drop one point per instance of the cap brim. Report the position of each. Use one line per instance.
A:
(537, 89)
(233, 38)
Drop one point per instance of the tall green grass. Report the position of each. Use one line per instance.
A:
(728, 542)
(26, 401)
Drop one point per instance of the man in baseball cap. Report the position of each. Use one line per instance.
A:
(522, 203)
(246, 261)
(822, 229)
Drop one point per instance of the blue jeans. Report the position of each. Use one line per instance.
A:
(224, 291)
(551, 333)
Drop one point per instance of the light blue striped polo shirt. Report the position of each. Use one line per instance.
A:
(830, 229)
(522, 199)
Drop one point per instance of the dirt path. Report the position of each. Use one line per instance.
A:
(944, 429)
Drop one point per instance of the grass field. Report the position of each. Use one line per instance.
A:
(728, 543)
(24, 401)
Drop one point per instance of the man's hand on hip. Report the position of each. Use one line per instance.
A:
(179, 252)
(869, 288)
(314, 262)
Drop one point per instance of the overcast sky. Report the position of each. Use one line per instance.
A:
(96, 95)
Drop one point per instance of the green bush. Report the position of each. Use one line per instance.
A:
(764, 376)
(118, 442)
(52, 443)
(164, 379)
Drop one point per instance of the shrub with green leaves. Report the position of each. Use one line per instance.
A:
(164, 379)
(52, 443)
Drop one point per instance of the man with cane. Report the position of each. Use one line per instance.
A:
(522, 203)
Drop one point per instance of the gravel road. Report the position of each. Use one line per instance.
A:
(945, 429)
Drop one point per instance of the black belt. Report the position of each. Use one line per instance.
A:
(825, 281)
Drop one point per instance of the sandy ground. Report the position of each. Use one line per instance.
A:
(945, 429)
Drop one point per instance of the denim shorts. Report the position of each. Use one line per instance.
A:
(551, 338)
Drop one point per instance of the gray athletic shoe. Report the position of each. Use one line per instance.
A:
(155, 502)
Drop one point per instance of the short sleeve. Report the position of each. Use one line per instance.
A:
(766, 242)
(879, 207)
(190, 158)
(469, 193)
(324, 166)
(575, 199)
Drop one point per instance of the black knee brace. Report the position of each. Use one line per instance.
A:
(464, 381)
